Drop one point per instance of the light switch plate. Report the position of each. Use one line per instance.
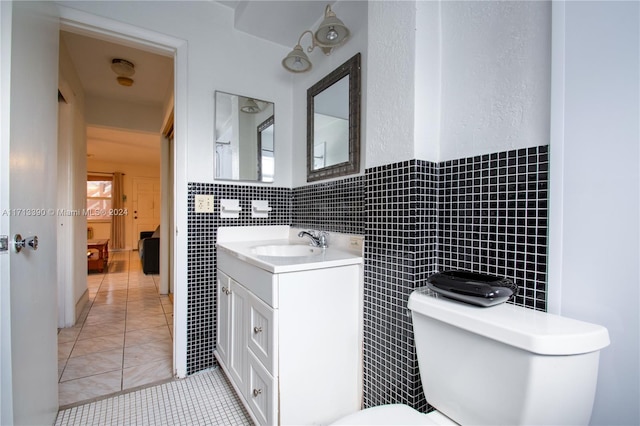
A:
(204, 203)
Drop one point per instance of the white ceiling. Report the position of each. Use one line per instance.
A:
(153, 83)
(122, 146)
(281, 22)
(91, 57)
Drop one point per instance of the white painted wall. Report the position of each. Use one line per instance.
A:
(495, 76)
(456, 79)
(219, 58)
(428, 69)
(72, 232)
(6, 379)
(595, 186)
(354, 15)
(391, 81)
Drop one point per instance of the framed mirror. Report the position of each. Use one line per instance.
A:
(244, 138)
(333, 123)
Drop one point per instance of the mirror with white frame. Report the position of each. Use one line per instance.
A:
(244, 138)
(333, 123)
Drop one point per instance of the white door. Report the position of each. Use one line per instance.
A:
(28, 315)
(146, 206)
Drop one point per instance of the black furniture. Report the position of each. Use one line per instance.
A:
(149, 251)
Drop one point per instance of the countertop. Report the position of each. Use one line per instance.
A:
(329, 258)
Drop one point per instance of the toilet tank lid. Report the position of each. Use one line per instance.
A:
(528, 329)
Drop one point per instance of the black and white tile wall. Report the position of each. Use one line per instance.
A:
(201, 258)
(336, 206)
(493, 218)
(400, 250)
(483, 214)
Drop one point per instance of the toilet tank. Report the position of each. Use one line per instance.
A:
(505, 364)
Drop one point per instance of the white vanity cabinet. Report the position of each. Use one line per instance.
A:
(291, 342)
(232, 328)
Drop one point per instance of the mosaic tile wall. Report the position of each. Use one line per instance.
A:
(493, 218)
(400, 250)
(336, 206)
(201, 258)
(485, 214)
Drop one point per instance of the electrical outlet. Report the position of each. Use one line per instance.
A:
(204, 203)
(355, 243)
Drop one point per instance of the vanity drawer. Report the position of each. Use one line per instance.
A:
(259, 282)
(262, 331)
(261, 395)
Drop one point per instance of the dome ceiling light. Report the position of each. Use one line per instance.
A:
(330, 34)
(124, 69)
(250, 107)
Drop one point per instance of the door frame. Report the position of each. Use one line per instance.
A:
(6, 392)
(129, 35)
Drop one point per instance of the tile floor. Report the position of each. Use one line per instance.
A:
(123, 338)
(201, 399)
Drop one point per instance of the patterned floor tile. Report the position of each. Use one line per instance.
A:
(204, 398)
(92, 359)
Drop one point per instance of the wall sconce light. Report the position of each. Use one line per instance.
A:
(330, 34)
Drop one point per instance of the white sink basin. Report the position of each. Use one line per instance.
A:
(286, 250)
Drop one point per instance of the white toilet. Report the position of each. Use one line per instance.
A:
(503, 365)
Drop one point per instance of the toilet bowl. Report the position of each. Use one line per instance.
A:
(394, 414)
(542, 368)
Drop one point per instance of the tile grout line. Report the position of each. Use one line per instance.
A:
(126, 314)
(115, 285)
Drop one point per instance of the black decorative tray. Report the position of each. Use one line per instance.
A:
(474, 288)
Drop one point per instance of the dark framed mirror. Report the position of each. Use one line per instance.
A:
(333, 123)
(266, 157)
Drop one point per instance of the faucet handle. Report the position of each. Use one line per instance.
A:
(323, 237)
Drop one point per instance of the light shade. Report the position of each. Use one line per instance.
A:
(125, 69)
(331, 32)
(124, 81)
(297, 60)
(250, 107)
(122, 67)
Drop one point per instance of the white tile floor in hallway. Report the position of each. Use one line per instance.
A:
(123, 338)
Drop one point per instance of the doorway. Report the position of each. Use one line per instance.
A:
(136, 123)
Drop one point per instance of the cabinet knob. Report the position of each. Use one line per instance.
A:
(257, 330)
(257, 392)
(226, 291)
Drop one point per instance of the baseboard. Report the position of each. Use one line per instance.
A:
(81, 303)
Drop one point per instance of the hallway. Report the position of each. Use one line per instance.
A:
(123, 338)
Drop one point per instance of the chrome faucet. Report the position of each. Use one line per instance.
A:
(318, 239)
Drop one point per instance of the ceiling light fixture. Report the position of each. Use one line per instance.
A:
(124, 69)
(330, 34)
(250, 106)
